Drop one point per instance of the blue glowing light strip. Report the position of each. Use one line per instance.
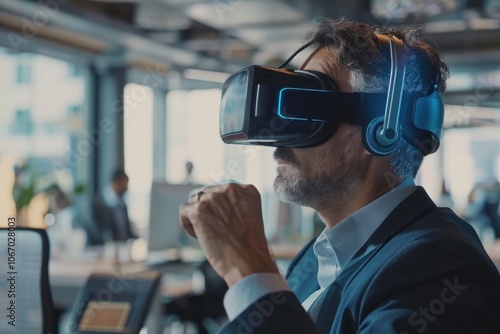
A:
(280, 114)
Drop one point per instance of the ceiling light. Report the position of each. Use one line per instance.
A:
(203, 75)
(404, 10)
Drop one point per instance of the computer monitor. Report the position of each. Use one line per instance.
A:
(165, 237)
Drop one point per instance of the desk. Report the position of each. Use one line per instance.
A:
(67, 276)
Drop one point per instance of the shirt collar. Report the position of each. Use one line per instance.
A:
(335, 246)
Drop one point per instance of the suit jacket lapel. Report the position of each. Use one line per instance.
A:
(324, 309)
(302, 275)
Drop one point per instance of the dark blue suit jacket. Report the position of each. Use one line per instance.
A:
(424, 270)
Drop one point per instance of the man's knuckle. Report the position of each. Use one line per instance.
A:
(251, 189)
(208, 197)
(185, 224)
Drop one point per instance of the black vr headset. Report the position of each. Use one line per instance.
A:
(298, 108)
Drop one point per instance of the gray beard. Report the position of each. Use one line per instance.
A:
(328, 191)
(325, 191)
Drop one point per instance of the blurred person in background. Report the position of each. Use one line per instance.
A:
(484, 205)
(110, 211)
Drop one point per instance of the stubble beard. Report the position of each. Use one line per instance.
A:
(324, 191)
(330, 190)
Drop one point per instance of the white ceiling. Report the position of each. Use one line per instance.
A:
(224, 35)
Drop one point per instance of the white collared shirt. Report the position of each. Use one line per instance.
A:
(334, 248)
(111, 198)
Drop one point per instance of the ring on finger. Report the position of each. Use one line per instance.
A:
(199, 194)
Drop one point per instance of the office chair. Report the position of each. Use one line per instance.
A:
(24, 281)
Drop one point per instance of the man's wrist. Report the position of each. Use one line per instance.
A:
(249, 290)
(237, 273)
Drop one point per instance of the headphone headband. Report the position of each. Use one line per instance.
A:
(383, 135)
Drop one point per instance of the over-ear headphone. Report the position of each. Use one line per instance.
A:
(422, 120)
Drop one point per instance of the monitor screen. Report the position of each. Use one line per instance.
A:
(165, 233)
(107, 316)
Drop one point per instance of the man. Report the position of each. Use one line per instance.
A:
(484, 203)
(110, 211)
(388, 260)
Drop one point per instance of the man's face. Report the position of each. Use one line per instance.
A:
(120, 185)
(320, 176)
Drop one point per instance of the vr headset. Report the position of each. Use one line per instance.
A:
(297, 108)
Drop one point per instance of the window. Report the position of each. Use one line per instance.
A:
(23, 123)
(39, 138)
(23, 70)
(193, 136)
(74, 71)
(138, 141)
(74, 110)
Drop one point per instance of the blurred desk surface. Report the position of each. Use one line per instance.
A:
(68, 275)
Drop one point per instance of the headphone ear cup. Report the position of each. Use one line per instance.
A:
(372, 140)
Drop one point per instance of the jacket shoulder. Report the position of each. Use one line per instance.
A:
(434, 275)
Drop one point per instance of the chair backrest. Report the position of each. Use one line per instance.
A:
(24, 281)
